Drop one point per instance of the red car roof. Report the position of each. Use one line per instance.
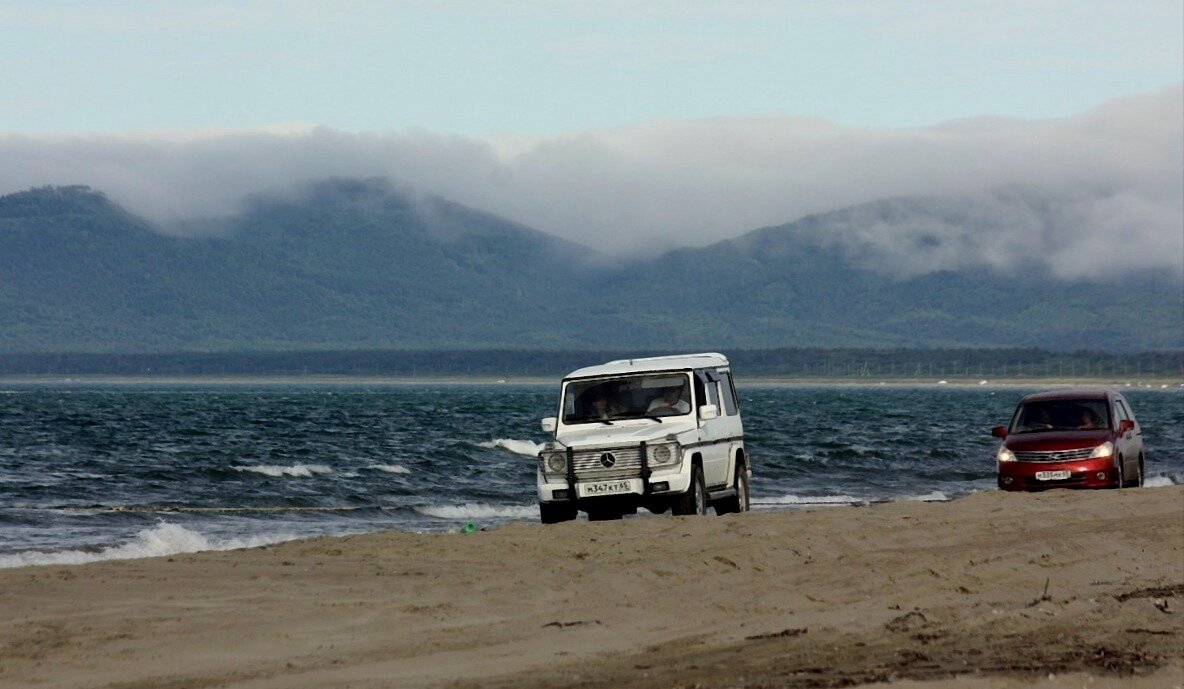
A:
(1069, 394)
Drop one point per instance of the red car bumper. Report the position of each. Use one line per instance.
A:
(1089, 473)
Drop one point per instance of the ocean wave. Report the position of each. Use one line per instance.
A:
(299, 470)
(518, 447)
(162, 539)
(1159, 481)
(473, 510)
(934, 496)
(390, 468)
(810, 500)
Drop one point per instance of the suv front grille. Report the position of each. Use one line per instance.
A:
(1055, 455)
(626, 463)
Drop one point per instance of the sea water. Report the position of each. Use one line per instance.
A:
(103, 471)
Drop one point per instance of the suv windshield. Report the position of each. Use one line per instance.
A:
(1060, 415)
(603, 400)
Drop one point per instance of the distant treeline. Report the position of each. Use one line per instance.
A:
(877, 364)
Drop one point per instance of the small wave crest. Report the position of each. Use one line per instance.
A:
(934, 496)
(473, 510)
(298, 470)
(810, 500)
(1159, 481)
(518, 447)
(790, 500)
(162, 539)
(390, 468)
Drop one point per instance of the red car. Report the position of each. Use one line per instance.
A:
(1070, 439)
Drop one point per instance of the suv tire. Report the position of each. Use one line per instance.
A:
(694, 501)
(739, 503)
(555, 512)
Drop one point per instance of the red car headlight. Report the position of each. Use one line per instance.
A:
(1104, 450)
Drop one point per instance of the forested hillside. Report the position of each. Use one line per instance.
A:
(349, 264)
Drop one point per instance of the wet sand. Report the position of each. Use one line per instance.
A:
(1058, 589)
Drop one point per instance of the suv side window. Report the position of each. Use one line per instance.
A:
(729, 393)
(704, 383)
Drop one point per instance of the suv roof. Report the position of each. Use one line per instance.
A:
(653, 363)
(1094, 394)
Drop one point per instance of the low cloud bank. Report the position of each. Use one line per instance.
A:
(1115, 175)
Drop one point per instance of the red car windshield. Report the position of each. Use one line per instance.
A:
(1060, 415)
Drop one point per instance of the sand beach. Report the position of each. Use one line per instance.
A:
(1057, 589)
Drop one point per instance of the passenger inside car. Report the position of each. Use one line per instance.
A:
(1088, 420)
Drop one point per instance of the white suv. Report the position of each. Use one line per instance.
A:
(662, 433)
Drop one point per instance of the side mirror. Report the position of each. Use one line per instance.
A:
(999, 431)
(549, 424)
(708, 412)
(1125, 426)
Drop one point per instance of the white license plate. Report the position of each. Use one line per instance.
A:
(606, 488)
(1052, 475)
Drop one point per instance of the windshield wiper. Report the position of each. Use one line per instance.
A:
(606, 422)
(654, 418)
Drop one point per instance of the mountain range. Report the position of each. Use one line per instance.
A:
(347, 263)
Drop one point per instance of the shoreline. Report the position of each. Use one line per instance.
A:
(150, 542)
(989, 590)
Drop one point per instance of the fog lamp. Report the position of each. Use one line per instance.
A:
(660, 486)
(560, 494)
(1101, 476)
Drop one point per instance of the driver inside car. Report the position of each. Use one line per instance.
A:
(671, 402)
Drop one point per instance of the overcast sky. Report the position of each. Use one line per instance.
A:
(629, 126)
(548, 66)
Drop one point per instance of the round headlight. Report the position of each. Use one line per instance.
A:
(556, 462)
(662, 454)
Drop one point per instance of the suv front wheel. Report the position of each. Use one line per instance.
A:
(553, 513)
(694, 501)
(739, 503)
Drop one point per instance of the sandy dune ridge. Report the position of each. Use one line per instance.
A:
(1058, 589)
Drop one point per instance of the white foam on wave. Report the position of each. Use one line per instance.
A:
(518, 447)
(473, 510)
(162, 539)
(826, 500)
(390, 468)
(934, 496)
(1158, 481)
(298, 470)
(810, 500)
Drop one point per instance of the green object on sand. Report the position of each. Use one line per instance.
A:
(469, 527)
